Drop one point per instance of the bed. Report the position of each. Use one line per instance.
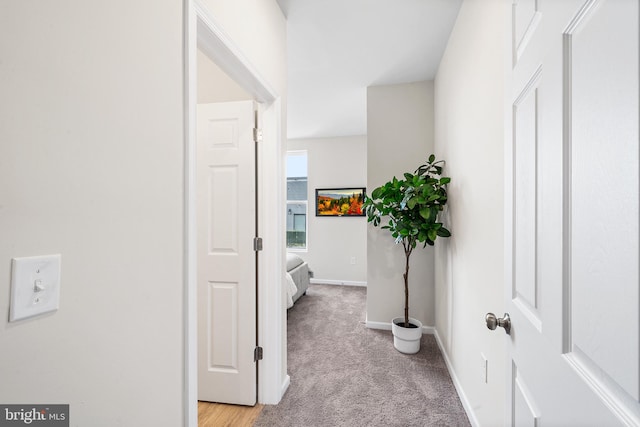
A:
(298, 275)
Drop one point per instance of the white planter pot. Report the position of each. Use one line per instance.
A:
(406, 340)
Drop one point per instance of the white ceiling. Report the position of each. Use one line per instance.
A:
(337, 48)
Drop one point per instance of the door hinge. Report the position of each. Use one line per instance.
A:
(257, 354)
(257, 244)
(257, 134)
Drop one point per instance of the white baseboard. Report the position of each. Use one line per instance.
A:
(386, 326)
(463, 397)
(337, 282)
(285, 386)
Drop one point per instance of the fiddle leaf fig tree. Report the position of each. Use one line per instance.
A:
(412, 205)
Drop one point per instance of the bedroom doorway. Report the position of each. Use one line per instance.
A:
(297, 224)
(203, 33)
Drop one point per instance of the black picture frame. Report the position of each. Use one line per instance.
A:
(340, 202)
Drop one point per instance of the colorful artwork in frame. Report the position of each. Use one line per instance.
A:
(340, 201)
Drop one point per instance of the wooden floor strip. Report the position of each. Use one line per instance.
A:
(220, 415)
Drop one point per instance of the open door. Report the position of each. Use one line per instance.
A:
(572, 278)
(226, 184)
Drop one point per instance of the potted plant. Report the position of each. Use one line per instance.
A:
(413, 205)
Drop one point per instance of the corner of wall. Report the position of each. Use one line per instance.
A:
(400, 134)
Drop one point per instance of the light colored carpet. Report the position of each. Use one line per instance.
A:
(344, 374)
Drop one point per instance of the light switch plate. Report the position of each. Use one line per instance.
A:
(35, 286)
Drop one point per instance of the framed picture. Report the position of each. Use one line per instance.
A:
(340, 201)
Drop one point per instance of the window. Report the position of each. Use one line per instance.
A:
(299, 222)
(297, 200)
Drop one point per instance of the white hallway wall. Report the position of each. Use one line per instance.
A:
(91, 166)
(469, 123)
(332, 242)
(399, 139)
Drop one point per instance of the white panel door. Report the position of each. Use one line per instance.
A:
(572, 219)
(226, 222)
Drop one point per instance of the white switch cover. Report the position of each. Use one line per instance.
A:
(35, 286)
(484, 368)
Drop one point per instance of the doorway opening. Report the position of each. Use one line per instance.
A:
(204, 36)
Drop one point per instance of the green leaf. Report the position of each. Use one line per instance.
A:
(445, 180)
(432, 158)
(432, 234)
(443, 232)
(375, 194)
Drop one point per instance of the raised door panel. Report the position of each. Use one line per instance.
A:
(223, 208)
(222, 327)
(601, 57)
(525, 412)
(526, 16)
(525, 196)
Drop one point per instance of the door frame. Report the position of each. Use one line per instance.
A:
(201, 30)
